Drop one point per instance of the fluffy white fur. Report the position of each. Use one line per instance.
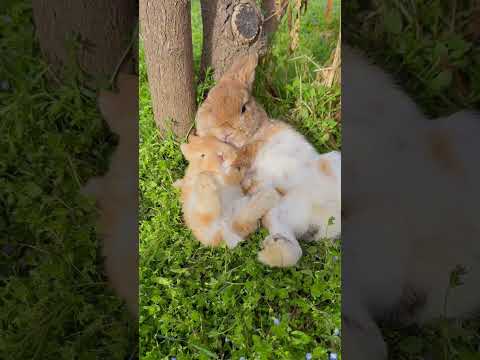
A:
(235, 205)
(116, 193)
(277, 157)
(411, 205)
(311, 186)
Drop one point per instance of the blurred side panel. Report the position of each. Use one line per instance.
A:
(68, 179)
(411, 256)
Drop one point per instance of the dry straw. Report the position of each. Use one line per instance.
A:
(331, 75)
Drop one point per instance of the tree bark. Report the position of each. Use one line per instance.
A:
(103, 28)
(274, 11)
(167, 37)
(328, 9)
(231, 28)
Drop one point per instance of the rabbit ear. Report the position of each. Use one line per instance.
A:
(184, 150)
(120, 108)
(243, 69)
(192, 138)
(204, 121)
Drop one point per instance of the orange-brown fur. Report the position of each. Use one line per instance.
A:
(243, 228)
(206, 208)
(116, 192)
(248, 151)
(325, 167)
(221, 114)
(275, 156)
(442, 152)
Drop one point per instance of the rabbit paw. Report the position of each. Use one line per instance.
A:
(278, 251)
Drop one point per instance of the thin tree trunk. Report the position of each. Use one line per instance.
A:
(231, 28)
(167, 36)
(103, 28)
(328, 9)
(274, 11)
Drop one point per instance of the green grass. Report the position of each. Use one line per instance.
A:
(53, 297)
(431, 47)
(200, 303)
(433, 50)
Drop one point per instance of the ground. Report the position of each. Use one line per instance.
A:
(54, 300)
(433, 50)
(199, 303)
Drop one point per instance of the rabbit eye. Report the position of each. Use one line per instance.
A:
(244, 108)
(202, 156)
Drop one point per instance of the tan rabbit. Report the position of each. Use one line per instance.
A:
(277, 157)
(214, 205)
(117, 192)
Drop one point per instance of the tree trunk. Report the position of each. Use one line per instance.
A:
(103, 28)
(231, 28)
(328, 9)
(167, 37)
(274, 11)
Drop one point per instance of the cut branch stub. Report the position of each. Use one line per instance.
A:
(246, 22)
(231, 28)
